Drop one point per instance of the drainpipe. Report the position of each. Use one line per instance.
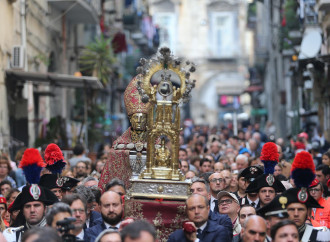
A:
(28, 90)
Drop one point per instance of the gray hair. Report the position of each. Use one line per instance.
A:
(105, 232)
(197, 179)
(55, 209)
(85, 192)
(243, 157)
(89, 178)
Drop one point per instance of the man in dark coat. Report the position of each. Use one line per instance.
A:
(200, 186)
(197, 207)
(111, 206)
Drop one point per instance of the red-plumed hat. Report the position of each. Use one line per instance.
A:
(303, 173)
(269, 156)
(32, 164)
(54, 159)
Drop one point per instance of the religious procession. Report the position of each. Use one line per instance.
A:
(164, 121)
(155, 186)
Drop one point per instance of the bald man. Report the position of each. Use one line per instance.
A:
(197, 208)
(254, 229)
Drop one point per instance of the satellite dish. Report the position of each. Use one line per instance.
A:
(310, 45)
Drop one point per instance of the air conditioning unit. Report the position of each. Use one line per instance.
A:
(17, 57)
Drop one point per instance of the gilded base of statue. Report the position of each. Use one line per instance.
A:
(162, 173)
(159, 189)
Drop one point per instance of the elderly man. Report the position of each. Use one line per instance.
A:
(217, 184)
(242, 161)
(254, 229)
(200, 186)
(198, 209)
(229, 204)
(112, 209)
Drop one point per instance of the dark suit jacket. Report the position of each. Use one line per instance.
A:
(95, 218)
(213, 232)
(90, 234)
(237, 238)
(222, 219)
(245, 201)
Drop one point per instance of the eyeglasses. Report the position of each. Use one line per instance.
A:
(314, 190)
(226, 201)
(78, 210)
(214, 180)
(81, 167)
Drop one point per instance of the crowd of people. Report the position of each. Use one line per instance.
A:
(244, 187)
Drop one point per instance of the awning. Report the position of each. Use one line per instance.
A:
(60, 80)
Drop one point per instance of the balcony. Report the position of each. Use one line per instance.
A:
(79, 11)
(323, 5)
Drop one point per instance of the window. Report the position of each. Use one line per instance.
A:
(166, 24)
(224, 28)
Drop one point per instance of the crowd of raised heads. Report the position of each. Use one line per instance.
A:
(235, 195)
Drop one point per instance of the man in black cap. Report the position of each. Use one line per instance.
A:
(299, 200)
(67, 184)
(274, 212)
(32, 202)
(267, 185)
(298, 212)
(50, 181)
(249, 174)
(33, 199)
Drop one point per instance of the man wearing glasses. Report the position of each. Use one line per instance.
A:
(200, 186)
(229, 204)
(319, 216)
(78, 206)
(217, 184)
(197, 209)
